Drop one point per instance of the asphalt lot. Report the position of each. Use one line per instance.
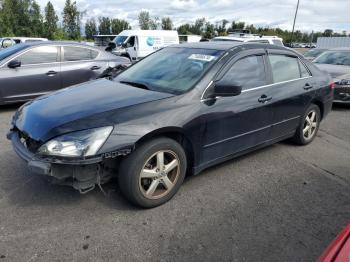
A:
(282, 203)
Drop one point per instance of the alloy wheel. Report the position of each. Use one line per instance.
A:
(159, 174)
(310, 125)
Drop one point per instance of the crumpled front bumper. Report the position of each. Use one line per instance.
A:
(342, 94)
(82, 174)
(40, 165)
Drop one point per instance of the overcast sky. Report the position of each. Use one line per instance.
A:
(313, 14)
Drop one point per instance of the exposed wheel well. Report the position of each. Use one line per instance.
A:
(320, 106)
(179, 137)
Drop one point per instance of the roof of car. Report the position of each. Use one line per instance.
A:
(340, 49)
(227, 45)
(56, 43)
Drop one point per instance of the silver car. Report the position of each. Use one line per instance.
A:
(33, 69)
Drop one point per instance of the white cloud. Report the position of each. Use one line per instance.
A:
(315, 15)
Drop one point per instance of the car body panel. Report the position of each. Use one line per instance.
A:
(334, 70)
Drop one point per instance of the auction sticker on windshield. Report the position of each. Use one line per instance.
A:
(200, 57)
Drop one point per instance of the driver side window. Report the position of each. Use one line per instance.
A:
(248, 72)
(131, 41)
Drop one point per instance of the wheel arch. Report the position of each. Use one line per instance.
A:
(320, 105)
(176, 134)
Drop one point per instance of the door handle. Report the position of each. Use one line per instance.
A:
(308, 86)
(264, 99)
(51, 73)
(95, 68)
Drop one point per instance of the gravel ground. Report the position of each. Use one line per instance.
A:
(281, 203)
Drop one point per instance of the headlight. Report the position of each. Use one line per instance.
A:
(344, 82)
(77, 144)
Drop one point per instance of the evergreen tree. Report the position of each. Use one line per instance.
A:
(90, 28)
(71, 20)
(105, 26)
(119, 25)
(167, 24)
(51, 20)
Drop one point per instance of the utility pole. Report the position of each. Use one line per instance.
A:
(295, 18)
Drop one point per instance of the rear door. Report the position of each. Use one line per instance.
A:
(38, 74)
(80, 64)
(235, 124)
(293, 90)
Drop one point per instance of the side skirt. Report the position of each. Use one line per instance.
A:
(200, 168)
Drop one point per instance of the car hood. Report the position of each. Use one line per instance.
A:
(334, 70)
(38, 118)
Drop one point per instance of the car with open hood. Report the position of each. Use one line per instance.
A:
(178, 111)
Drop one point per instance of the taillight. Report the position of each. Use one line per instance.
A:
(332, 85)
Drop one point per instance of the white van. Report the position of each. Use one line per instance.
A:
(189, 38)
(136, 44)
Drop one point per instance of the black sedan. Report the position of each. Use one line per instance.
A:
(32, 69)
(176, 112)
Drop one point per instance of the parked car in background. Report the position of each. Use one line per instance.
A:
(342, 89)
(272, 40)
(177, 111)
(313, 53)
(189, 38)
(10, 41)
(339, 249)
(334, 61)
(136, 44)
(33, 69)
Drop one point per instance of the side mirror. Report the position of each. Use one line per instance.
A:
(124, 45)
(112, 45)
(14, 64)
(226, 88)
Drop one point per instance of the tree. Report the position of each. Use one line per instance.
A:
(144, 20)
(90, 28)
(71, 20)
(328, 32)
(35, 20)
(167, 24)
(220, 28)
(105, 26)
(119, 25)
(51, 19)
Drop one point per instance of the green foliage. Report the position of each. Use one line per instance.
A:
(167, 24)
(146, 22)
(71, 20)
(90, 28)
(119, 25)
(50, 22)
(105, 26)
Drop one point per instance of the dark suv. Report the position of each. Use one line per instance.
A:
(178, 111)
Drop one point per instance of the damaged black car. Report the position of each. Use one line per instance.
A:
(176, 112)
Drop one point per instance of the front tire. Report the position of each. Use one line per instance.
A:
(153, 173)
(309, 125)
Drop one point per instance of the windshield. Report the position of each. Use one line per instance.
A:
(119, 40)
(171, 70)
(334, 58)
(313, 53)
(4, 53)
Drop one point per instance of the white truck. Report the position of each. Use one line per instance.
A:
(136, 44)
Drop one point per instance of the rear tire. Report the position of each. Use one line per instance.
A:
(153, 173)
(308, 127)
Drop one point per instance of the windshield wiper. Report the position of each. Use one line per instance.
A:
(135, 84)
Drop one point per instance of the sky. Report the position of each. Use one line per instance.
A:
(316, 15)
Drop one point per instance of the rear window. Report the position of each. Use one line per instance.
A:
(284, 68)
(72, 53)
(277, 42)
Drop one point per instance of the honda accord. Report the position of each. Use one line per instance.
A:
(176, 112)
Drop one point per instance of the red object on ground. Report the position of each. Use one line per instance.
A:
(339, 250)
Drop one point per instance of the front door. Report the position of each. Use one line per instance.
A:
(235, 124)
(38, 74)
(131, 48)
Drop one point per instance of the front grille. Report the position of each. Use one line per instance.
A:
(31, 144)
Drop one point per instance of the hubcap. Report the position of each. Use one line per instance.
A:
(310, 125)
(159, 174)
